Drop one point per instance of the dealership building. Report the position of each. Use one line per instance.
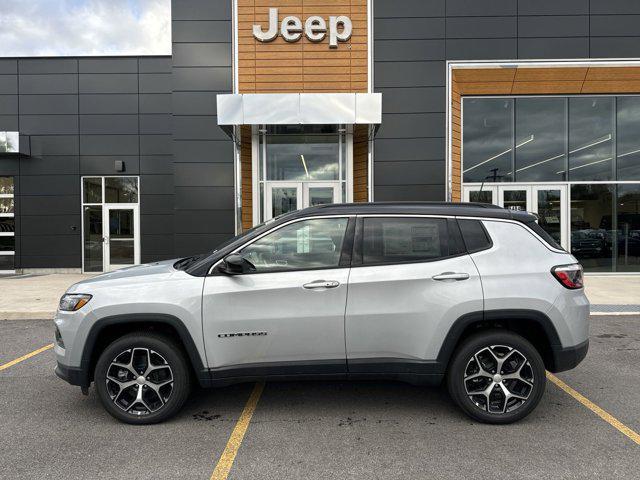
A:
(266, 106)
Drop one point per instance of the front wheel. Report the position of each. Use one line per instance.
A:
(142, 378)
(496, 377)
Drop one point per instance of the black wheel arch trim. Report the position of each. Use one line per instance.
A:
(82, 375)
(463, 322)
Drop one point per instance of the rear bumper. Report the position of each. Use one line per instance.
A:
(568, 357)
(73, 375)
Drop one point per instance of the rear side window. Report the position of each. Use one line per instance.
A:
(398, 240)
(475, 236)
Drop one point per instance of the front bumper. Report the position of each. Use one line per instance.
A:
(568, 357)
(73, 375)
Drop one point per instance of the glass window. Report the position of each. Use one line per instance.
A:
(303, 153)
(121, 189)
(6, 262)
(7, 225)
(591, 138)
(628, 228)
(6, 186)
(303, 245)
(550, 213)
(487, 139)
(92, 188)
(93, 244)
(7, 244)
(9, 142)
(628, 138)
(474, 234)
(397, 240)
(6, 205)
(540, 139)
(515, 200)
(592, 236)
(485, 196)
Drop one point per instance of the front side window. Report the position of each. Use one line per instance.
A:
(309, 244)
(399, 240)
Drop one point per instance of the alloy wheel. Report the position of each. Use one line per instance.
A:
(498, 379)
(139, 381)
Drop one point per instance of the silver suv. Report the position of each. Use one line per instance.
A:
(476, 295)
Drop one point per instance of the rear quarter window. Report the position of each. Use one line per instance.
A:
(474, 235)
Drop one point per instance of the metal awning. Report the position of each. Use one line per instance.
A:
(299, 109)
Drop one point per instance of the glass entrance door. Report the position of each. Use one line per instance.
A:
(283, 197)
(549, 202)
(121, 237)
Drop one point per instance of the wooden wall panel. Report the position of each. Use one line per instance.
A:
(246, 174)
(302, 66)
(360, 163)
(524, 80)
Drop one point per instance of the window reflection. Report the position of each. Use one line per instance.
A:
(121, 189)
(628, 228)
(296, 153)
(540, 136)
(487, 138)
(592, 238)
(590, 138)
(628, 138)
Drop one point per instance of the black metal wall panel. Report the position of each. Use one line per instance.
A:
(78, 116)
(202, 152)
(410, 67)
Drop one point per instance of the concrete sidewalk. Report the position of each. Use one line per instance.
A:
(37, 296)
(33, 296)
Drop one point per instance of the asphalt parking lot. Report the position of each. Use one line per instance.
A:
(322, 430)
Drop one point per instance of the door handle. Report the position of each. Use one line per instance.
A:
(321, 284)
(451, 276)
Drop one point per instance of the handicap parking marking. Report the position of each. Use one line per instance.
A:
(228, 456)
(4, 366)
(603, 414)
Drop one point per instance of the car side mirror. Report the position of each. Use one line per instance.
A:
(235, 264)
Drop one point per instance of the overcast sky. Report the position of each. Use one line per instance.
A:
(84, 27)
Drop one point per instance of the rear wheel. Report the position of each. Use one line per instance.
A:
(496, 377)
(142, 378)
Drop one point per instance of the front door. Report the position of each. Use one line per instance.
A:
(283, 197)
(288, 315)
(122, 247)
(548, 201)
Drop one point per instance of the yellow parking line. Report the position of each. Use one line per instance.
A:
(24, 357)
(607, 417)
(225, 463)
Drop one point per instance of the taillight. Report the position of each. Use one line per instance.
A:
(570, 276)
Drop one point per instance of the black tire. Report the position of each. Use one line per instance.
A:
(177, 378)
(486, 409)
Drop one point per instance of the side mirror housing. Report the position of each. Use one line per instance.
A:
(234, 264)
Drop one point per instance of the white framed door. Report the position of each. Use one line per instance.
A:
(121, 236)
(282, 197)
(318, 193)
(549, 201)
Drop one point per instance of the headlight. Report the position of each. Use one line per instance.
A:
(70, 302)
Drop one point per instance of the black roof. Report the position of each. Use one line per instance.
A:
(461, 209)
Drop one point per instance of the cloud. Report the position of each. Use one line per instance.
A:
(84, 27)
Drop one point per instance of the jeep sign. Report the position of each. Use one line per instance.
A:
(315, 29)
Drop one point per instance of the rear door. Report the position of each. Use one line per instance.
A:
(411, 278)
